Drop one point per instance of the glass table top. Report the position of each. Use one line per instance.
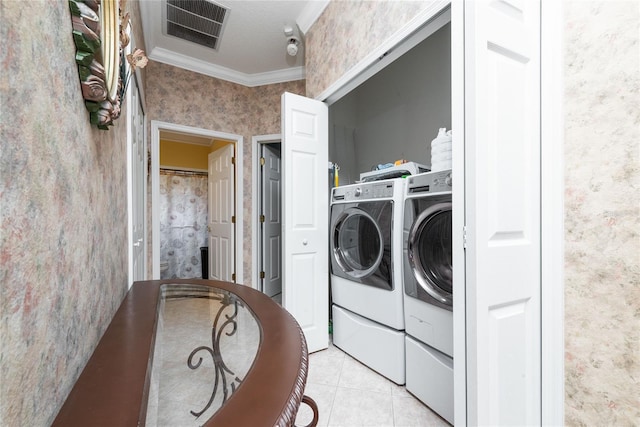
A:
(206, 343)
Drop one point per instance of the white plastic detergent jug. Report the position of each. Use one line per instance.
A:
(441, 150)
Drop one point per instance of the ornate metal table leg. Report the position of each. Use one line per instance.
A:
(221, 369)
(312, 404)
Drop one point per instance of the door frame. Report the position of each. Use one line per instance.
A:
(137, 78)
(256, 250)
(552, 185)
(156, 127)
(552, 213)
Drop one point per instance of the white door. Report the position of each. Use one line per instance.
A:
(138, 170)
(502, 197)
(221, 214)
(271, 219)
(305, 199)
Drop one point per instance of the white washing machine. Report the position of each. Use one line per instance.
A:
(366, 274)
(428, 290)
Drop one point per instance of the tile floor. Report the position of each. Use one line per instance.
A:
(349, 394)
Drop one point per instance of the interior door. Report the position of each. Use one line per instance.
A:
(502, 197)
(271, 219)
(305, 199)
(221, 214)
(138, 161)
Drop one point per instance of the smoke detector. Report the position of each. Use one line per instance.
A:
(292, 46)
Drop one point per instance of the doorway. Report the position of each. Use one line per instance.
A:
(267, 218)
(233, 252)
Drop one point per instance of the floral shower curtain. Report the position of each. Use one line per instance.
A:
(183, 222)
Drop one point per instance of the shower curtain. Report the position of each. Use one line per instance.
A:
(183, 222)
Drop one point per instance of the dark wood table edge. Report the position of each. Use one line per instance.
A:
(112, 390)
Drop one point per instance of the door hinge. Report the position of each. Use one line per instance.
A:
(262, 274)
(262, 161)
(233, 160)
(464, 237)
(233, 219)
(233, 277)
(262, 218)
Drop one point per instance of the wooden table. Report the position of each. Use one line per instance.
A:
(113, 389)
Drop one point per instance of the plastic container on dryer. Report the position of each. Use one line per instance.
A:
(441, 154)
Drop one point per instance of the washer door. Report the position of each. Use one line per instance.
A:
(357, 243)
(430, 252)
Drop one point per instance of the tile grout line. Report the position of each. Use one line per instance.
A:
(333, 401)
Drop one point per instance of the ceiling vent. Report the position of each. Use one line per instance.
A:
(197, 21)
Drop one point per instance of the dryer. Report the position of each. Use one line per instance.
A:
(366, 274)
(428, 290)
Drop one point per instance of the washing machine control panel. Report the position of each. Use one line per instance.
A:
(364, 191)
(430, 182)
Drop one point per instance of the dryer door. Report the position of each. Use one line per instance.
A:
(360, 242)
(430, 252)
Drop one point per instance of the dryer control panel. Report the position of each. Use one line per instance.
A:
(430, 182)
(364, 191)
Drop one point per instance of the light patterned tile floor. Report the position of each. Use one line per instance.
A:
(349, 394)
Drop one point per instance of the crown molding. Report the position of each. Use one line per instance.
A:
(250, 80)
(310, 14)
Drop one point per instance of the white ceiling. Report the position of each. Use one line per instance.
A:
(252, 48)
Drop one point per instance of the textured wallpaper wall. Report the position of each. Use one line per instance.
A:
(602, 288)
(602, 202)
(182, 97)
(63, 236)
(346, 32)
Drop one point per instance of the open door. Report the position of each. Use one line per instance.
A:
(271, 219)
(305, 229)
(503, 204)
(221, 225)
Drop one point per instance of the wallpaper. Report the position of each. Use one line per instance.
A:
(346, 32)
(183, 223)
(63, 236)
(602, 203)
(221, 106)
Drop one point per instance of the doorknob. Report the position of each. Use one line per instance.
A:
(305, 241)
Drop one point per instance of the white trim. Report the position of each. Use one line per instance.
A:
(135, 83)
(250, 80)
(138, 78)
(459, 221)
(388, 51)
(156, 127)
(255, 170)
(130, 190)
(145, 195)
(310, 14)
(552, 214)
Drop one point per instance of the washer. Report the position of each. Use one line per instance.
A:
(366, 274)
(428, 290)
